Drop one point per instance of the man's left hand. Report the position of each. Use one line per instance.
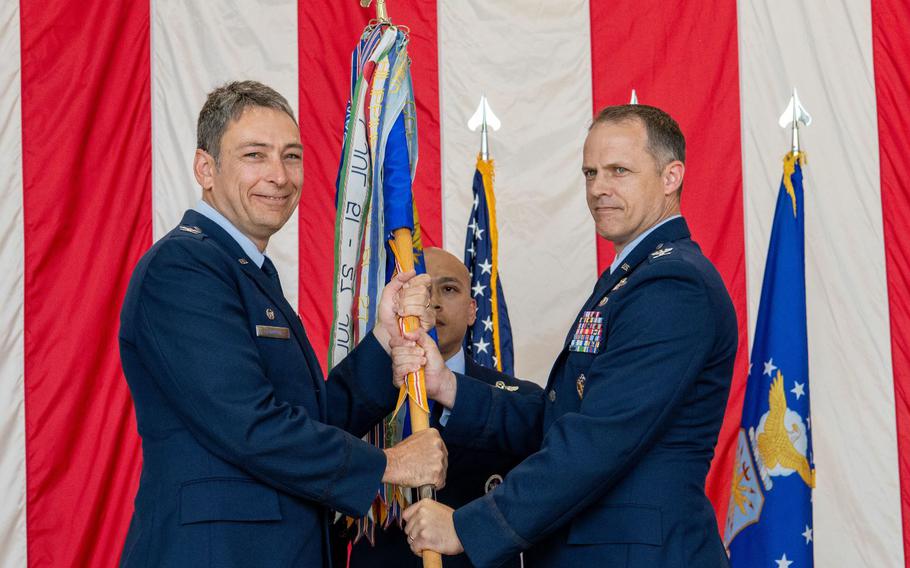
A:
(407, 294)
(431, 526)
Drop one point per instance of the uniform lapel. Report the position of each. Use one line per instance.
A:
(230, 246)
(670, 231)
(274, 293)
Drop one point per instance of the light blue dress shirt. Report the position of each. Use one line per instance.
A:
(629, 247)
(244, 241)
(456, 364)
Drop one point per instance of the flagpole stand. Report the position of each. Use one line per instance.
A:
(420, 418)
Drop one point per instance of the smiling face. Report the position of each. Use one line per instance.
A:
(257, 180)
(451, 298)
(627, 192)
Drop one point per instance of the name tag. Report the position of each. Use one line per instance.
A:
(273, 331)
(588, 333)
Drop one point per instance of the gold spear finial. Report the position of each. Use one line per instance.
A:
(381, 13)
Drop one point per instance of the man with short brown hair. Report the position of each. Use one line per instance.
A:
(245, 446)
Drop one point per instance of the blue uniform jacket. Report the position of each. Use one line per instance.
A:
(619, 444)
(244, 445)
(471, 473)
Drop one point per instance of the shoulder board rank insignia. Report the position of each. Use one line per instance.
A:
(620, 284)
(192, 229)
(580, 385)
(660, 253)
(492, 483)
(603, 301)
(502, 385)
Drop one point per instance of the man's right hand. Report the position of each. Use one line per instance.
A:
(417, 349)
(418, 460)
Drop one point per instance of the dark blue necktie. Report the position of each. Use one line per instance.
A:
(269, 268)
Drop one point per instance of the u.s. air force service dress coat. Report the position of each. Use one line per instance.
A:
(471, 474)
(245, 447)
(619, 444)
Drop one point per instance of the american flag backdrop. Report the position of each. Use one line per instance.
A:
(98, 102)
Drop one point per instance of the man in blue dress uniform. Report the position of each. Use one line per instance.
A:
(472, 472)
(245, 447)
(619, 444)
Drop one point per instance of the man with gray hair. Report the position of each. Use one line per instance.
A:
(245, 447)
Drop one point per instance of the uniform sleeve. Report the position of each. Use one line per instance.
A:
(360, 389)
(193, 335)
(487, 418)
(662, 335)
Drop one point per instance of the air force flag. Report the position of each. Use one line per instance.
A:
(769, 522)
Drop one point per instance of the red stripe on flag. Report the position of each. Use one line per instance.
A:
(420, 17)
(891, 44)
(325, 76)
(86, 131)
(327, 33)
(684, 61)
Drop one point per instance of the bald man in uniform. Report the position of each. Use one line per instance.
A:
(471, 473)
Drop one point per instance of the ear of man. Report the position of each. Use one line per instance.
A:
(204, 169)
(673, 177)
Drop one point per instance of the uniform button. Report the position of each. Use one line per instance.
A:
(552, 396)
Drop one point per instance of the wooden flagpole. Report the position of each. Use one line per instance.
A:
(403, 240)
(420, 418)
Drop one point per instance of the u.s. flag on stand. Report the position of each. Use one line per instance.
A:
(770, 514)
(489, 340)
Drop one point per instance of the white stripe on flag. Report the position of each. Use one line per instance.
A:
(12, 406)
(829, 59)
(546, 247)
(195, 48)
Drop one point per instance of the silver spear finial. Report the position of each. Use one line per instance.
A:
(794, 115)
(485, 119)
